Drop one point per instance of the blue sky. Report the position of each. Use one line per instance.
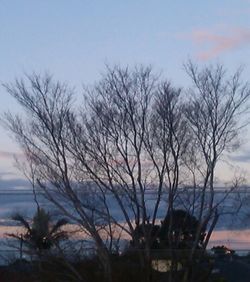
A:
(75, 39)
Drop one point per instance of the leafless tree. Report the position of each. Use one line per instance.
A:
(43, 139)
(133, 135)
(118, 141)
(216, 113)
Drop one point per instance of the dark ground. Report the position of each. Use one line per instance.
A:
(234, 271)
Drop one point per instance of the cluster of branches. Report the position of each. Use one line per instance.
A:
(134, 134)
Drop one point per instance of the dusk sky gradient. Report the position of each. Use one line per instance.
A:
(73, 40)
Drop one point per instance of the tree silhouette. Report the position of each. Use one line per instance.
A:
(180, 228)
(177, 230)
(41, 234)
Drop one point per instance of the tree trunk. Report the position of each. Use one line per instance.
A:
(104, 257)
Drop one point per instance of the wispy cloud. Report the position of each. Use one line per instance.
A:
(211, 43)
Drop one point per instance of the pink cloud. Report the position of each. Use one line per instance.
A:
(216, 43)
(235, 239)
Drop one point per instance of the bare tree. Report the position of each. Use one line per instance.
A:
(215, 114)
(119, 141)
(133, 135)
(43, 139)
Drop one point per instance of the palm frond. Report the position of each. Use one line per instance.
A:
(18, 217)
(58, 225)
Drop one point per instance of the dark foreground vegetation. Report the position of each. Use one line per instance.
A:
(125, 268)
(222, 266)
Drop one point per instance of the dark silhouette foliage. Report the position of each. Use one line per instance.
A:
(41, 234)
(179, 228)
(182, 230)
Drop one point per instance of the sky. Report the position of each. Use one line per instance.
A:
(73, 40)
